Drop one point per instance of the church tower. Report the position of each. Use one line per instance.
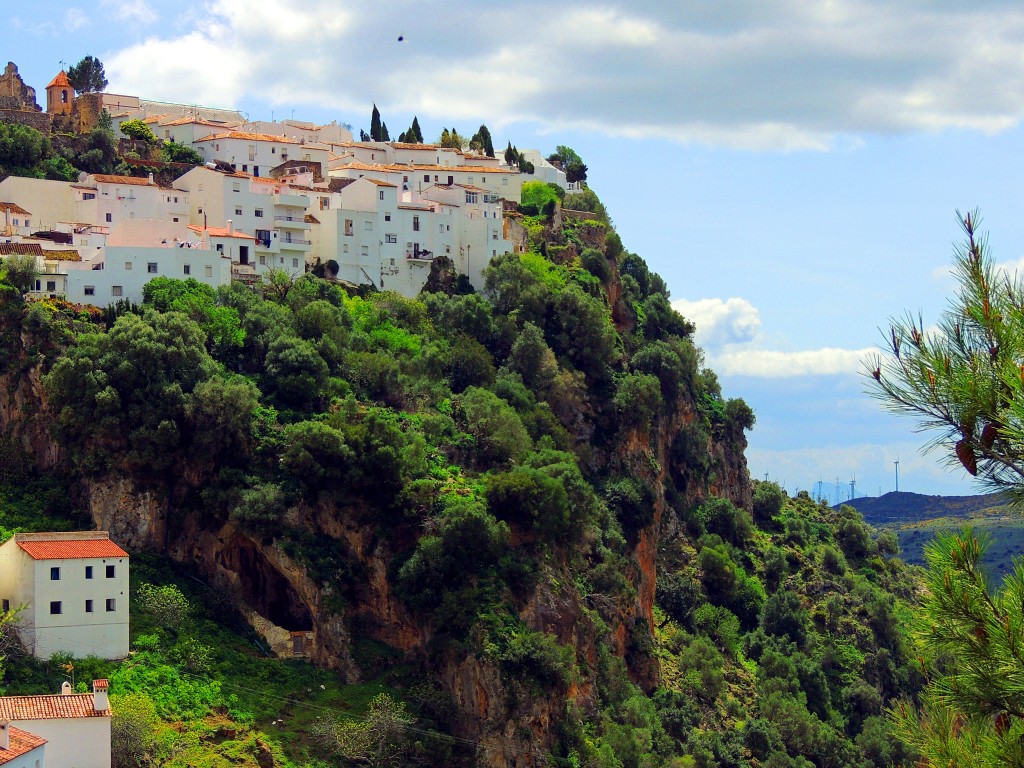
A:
(60, 96)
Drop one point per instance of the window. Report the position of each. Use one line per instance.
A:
(263, 260)
(390, 238)
(151, 267)
(392, 260)
(88, 195)
(380, 195)
(51, 285)
(116, 290)
(245, 168)
(220, 247)
(344, 247)
(175, 199)
(258, 213)
(426, 177)
(387, 217)
(88, 606)
(209, 271)
(55, 608)
(348, 227)
(364, 251)
(415, 223)
(111, 605)
(88, 571)
(368, 226)
(238, 211)
(263, 236)
(325, 203)
(55, 573)
(110, 217)
(471, 197)
(187, 269)
(252, 152)
(175, 219)
(111, 571)
(90, 290)
(440, 228)
(295, 263)
(234, 184)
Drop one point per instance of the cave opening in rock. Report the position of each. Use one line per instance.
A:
(265, 589)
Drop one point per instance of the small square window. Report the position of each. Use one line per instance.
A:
(111, 569)
(295, 263)
(238, 211)
(188, 269)
(90, 290)
(258, 213)
(88, 571)
(55, 573)
(128, 266)
(151, 267)
(387, 217)
(51, 285)
(111, 605)
(55, 608)
(116, 290)
(88, 606)
(368, 226)
(209, 271)
(110, 217)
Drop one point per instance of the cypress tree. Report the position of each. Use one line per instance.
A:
(384, 136)
(415, 132)
(375, 124)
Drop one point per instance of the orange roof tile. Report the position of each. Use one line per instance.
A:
(248, 137)
(190, 120)
(14, 208)
(154, 119)
(407, 145)
(221, 232)
(50, 706)
(21, 743)
(60, 81)
(378, 182)
(138, 181)
(70, 548)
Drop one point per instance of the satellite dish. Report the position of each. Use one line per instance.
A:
(82, 176)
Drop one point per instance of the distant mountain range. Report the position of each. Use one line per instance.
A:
(904, 507)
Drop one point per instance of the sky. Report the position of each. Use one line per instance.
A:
(792, 169)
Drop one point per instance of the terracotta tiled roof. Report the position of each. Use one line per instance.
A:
(154, 119)
(60, 81)
(221, 232)
(138, 181)
(20, 249)
(70, 548)
(190, 120)
(22, 742)
(407, 145)
(380, 183)
(309, 218)
(14, 208)
(415, 167)
(248, 137)
(49, 707)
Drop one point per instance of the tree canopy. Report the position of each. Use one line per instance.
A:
(87, 76)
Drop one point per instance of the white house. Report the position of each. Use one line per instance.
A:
(257, 153)
(73, 590)
(21, 749)
(74, 726)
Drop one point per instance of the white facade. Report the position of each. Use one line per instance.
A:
(543, 170)
(74, 591)
(49, 201)
(257, 153)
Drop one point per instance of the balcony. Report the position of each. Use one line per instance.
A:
(292, 222)
(420, 255)
(294, 244)
(295, 201)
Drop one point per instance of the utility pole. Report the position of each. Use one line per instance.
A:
(897, 463)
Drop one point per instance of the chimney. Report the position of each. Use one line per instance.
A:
(5, 734)
(65, 688)
(99, 695)
(151, 179)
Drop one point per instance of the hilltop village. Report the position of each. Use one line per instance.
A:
(259, 196)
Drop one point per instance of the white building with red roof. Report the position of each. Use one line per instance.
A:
(74, 727)
(21, 749)
(73, 592)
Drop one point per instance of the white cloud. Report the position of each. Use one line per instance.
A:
(75, 19)
(134, 11)
(729, 321)
(787, 76)
(772, 364)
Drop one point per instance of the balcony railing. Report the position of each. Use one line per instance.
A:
(294, 241)
(420, 255)
(300, 219)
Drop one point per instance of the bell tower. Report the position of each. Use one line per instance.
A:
(60, 96)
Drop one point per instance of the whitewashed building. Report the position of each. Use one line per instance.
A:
(73, 591)
(75, 727)
(21, 749)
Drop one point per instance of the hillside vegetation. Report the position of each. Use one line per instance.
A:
(524, 515)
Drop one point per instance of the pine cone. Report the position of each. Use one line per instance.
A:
(989, 435)
(965, 453)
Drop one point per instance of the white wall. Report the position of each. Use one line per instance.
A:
(47, 201)
(73, 742)
(98, 632)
